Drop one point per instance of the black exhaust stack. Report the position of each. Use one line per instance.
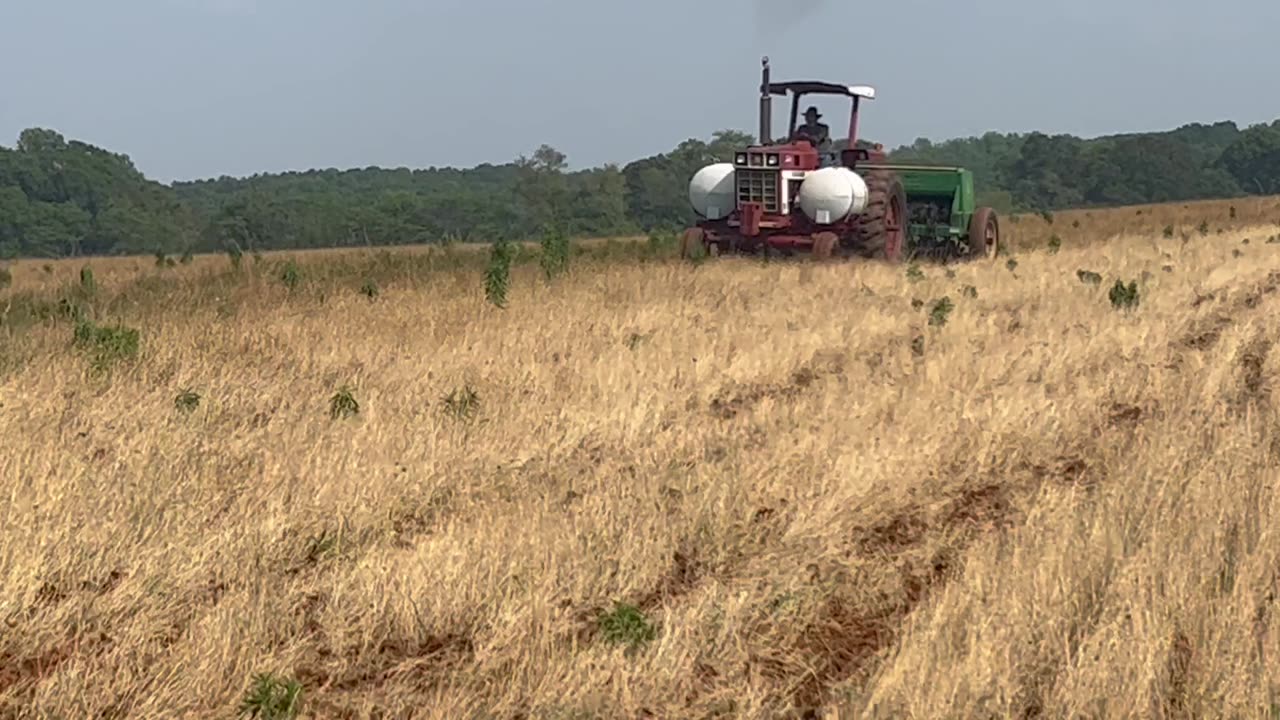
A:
(766, 105)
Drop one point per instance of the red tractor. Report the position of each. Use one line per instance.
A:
(790, 197)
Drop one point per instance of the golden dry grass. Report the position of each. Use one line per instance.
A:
(1043, 508)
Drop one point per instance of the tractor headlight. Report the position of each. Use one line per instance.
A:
(741, 159)
(771, 160)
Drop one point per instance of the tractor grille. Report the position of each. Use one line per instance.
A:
(759, 186)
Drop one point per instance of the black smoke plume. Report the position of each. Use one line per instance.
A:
(776, 17)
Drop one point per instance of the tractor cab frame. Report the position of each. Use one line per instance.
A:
(798, 89)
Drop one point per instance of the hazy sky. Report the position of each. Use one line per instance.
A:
(198, 88)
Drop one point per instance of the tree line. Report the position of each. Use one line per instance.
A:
(62, 197)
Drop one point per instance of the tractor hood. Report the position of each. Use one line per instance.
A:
(786, 156)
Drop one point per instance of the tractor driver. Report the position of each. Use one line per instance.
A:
(818, 132)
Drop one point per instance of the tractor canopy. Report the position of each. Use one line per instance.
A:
(815, 87)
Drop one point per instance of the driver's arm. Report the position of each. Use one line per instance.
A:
(823, 137)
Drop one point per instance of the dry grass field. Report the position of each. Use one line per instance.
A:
(651, 489)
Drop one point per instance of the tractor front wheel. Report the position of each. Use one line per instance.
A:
(984, 234)
(882, 228)
(689, 242)
(824, 245)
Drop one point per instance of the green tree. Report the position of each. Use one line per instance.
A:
(543, 188)
(61, 196)
(1254, 159)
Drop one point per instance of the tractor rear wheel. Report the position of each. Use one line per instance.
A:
(984, 234)
(882, 228)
